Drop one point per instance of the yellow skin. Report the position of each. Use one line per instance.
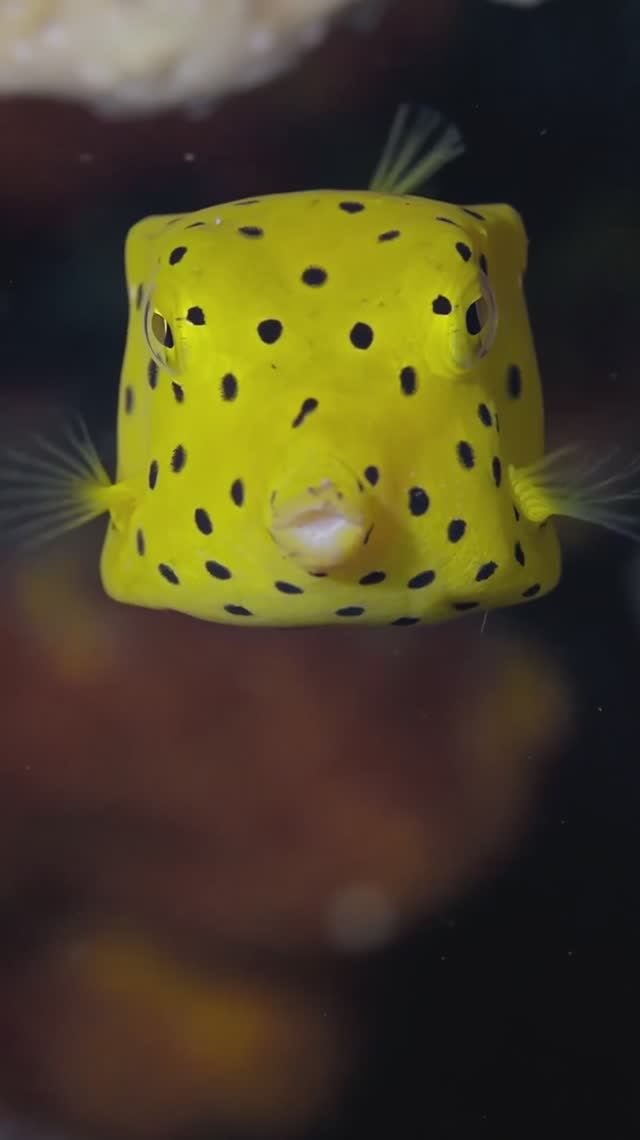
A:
(311, 503)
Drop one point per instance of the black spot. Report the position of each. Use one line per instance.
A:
(177, 254)
(485, 415)
(486, 571)
(373, 578)
(229, 387)
(350, 611)
(484, 264)
(419, 581)
(128, 399)
(519, 554)
(237, 492)
(140, 543)
(169, 574)
(308, 406)
(361, 335)
(516, 514)
(247, 202)
(497, 421)
(409, 380)
(238, 611)
(195, 315)
(203, 522)
(531, 591)
(178, 459)
(288, 588)
(368, 535)
(464, 250)
(168, 336)
(314, 275)
(473, 319)
(372, 474)
(194, 225)
(465, 454)
(217, 570)
(473, 213)
(351, 207)
(456, 530)
(270, 330)
(251, 231)
(389, 235)
(407, 620)
(514, 381)
(139, 296)
(152, 373)
(418, 501)
(318, 573)
(465, 605)
(496, 468)
(449, 221)
(153, 473)
(178, 392)
(442, 305)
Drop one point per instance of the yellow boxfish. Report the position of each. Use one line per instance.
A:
(330, 412)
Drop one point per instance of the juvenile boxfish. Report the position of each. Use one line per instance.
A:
(330, 412)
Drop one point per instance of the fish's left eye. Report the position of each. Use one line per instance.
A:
(481, 317)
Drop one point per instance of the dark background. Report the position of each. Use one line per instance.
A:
(509, 1005)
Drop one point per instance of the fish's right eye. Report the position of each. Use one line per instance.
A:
(158, 334)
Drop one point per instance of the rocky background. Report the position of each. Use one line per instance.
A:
(326, 884)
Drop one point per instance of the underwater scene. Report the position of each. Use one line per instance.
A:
(320, 565)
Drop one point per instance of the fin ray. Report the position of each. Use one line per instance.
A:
(401, 168)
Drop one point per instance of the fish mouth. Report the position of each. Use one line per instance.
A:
(320, 528)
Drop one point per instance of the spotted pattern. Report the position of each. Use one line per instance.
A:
(178, 392)
(419, 581)
(195, 315)
(152, 373)
(441, 305)
(350, 611)
(178, 459)
(361, 335)
(389, 235)
(456, 530)
(487, 570)
(177, 254)
(288, 588)
(485, 416)
(314, 275)
(372, 474)
(217, 570)
(519, 554)
(229, 386)
(270, 330)
(238, 611)
(496, 470)
(203, 521)
(168, 573)
(465, 454)
(352, 207)
(418, 501)
(129, 399)
(409, 380)
(373, 578)
(237, 492)
(406, 621)
(251, 231)
(514, 382)
(153, 474)
(308, 406)
(531, 591)
(140, 542)
(464, 250)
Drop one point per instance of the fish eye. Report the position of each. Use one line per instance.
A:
(481, 317)
(158, 334)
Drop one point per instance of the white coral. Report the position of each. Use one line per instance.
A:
(131, 55)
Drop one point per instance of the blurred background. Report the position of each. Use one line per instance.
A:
(317, 884)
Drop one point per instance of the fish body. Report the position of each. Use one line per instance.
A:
(330, 411)
(319, 347)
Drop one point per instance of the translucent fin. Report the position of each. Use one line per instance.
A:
(412, 155)
(51, 487)
(570, 482)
